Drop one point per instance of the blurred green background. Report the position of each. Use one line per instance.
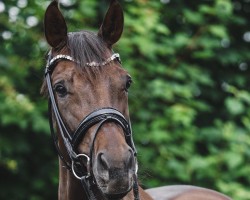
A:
(189, 104)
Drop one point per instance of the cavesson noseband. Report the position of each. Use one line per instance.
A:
(97, 117)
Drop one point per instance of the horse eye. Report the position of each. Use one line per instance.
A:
(128, 83)
(60, 90)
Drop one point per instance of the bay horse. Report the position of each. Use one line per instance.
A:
(87, 91)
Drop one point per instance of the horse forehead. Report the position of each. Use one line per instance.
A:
(64, 70)
(67, 70)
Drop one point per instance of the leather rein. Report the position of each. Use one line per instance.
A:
(71, 141)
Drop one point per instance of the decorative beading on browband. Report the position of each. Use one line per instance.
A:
(53, 60)
(60, 56)
(92, 64)
(112, 58)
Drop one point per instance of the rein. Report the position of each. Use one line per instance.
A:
(71, 141)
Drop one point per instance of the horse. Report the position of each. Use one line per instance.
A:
(87, 90)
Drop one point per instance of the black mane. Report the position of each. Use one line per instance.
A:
(86, 47)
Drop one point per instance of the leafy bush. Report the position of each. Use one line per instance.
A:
(189, 103)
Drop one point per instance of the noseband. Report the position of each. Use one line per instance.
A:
(71, 141)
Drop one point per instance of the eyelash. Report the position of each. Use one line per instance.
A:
(60, 89)
(128, 84)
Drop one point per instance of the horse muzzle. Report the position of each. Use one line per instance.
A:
(114, 172)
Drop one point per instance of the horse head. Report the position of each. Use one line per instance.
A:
(88, 92)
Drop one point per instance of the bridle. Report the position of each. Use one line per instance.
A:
(71, 141)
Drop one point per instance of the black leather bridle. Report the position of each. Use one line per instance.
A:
(71, 141)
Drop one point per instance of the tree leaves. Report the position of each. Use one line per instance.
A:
(189, 103)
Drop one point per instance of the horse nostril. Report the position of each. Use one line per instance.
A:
(102, 162)
(131, 161)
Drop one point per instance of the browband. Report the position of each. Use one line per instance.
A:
(51, 64)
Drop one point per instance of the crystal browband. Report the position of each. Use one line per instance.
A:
(92, 64)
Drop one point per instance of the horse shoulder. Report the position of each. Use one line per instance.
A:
(183, 192)
(144, 195)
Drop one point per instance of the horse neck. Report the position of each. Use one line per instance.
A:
(69, 187)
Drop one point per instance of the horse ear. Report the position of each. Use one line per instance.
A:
(55, 26)
(112, 26)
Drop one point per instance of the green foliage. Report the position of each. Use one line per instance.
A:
(189, 103)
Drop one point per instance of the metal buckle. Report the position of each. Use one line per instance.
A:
(88, 165)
